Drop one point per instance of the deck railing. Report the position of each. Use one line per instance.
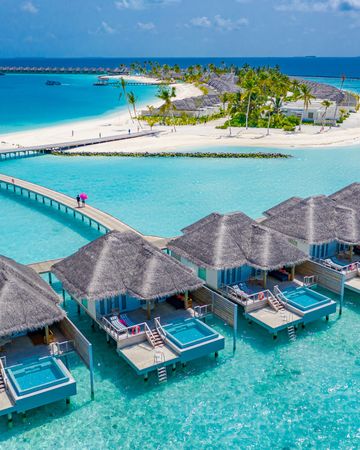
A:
(310, 280)
(139, 328)
(3, 373)
(160, 329)
(349, 268)
(61, 348)
(201, 311)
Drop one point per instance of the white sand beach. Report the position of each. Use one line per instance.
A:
(185, 137)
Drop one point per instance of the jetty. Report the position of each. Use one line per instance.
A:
(65, 70)
(89, 215)
(63, 146)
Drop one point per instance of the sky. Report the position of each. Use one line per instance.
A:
(73, 28)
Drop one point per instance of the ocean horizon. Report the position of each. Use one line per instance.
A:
(313, 66)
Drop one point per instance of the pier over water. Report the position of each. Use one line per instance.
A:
(89, 215)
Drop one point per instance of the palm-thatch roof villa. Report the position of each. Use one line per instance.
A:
(327, 229)
(121, 280)
(28, 308)
(235, 254)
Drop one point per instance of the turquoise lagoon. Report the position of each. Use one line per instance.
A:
(159, 196)
(266, 395)
(27, 102)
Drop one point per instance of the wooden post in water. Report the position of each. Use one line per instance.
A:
(91, 368)
(50, 278)
(235, 326)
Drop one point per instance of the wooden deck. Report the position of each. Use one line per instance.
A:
(273, 320)
(92, 215)
(353, 284)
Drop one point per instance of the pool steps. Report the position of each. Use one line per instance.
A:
(159, 358)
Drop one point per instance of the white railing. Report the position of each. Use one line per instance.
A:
(259, 297)
(127, 332)
(149, 335)
(201, 310)
(280, 295)
(310, 280)
(60, 348)
(160, 329)
(352, 267)
(3, 372)
(159, 357)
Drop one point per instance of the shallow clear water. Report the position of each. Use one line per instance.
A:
(269, 394)
(26, 101)
(160, 196)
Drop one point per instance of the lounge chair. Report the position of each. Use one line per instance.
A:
(126, 319)
(329, 262)
(115, 322)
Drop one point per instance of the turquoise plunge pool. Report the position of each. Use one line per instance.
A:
(189, 332)
(37, 375)
(305, 299)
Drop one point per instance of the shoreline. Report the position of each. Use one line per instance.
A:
(185, 137)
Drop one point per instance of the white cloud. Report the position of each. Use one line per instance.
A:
(146, 26)
(319, 6)
(202, 22)
(143, 4)
(219, 23)
(225, 24)
(29, 7)
(106, 28)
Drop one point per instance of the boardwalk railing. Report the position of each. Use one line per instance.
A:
(104, 222)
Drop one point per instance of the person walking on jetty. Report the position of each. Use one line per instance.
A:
(78, 200)
(83, 197)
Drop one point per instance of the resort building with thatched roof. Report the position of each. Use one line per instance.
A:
(121, 281)
(28, 308)
(228, 249)
(255, 266)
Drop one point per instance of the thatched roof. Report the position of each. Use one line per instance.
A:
(122, 263)
(279, 208)
(348, 196)
(27, 302)
(233, 240)
(327, 92)
(317, 220)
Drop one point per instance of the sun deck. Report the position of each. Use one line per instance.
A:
(273, 320)
(136, 344)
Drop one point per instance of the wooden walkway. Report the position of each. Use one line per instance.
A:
(62, 146)
(89, 215)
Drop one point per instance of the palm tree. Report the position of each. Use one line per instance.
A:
(122, 85)
(326, 104)
(269, 110)
(305, 95)
(132, 101)
(250, 86)
(167, 95)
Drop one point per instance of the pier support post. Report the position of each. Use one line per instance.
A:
(10, 420)
(327, 318)
(107, 338)
(23, 416)
(146, 376)
(78, 309)
(173, 367)
(50, 278)
(63, 296)
(216, 354)
(93, 324)
(67, 401)
(275, 336)
(302, 325)
(235, 326)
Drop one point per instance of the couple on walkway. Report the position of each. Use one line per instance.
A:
(80, 201)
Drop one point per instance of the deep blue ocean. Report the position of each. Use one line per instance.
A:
(304, 66)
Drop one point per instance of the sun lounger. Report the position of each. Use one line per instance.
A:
(115, 322)
(126, 319)
(333, 265)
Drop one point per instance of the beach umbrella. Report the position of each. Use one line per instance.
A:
(83, 196)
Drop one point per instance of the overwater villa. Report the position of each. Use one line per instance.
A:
(143, 300)
(34, 342)
(255, 266)
(327, 230)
